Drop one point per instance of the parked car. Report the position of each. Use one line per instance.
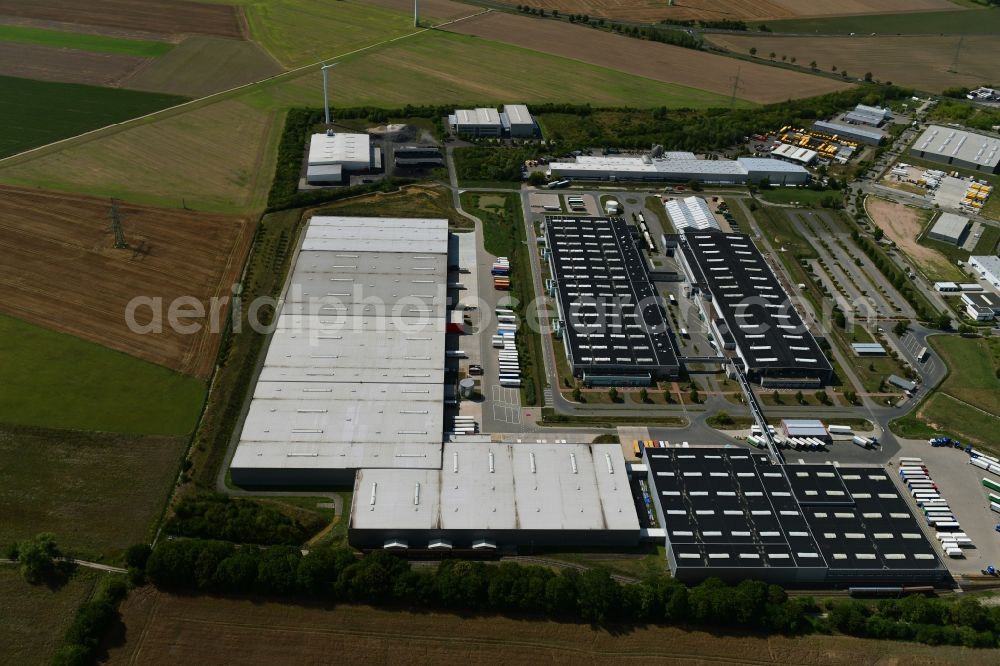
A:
(475, 369)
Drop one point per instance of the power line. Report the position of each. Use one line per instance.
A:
(736, 87)
(116, 225)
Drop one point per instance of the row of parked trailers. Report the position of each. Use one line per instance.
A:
(639, 444)
(501, 274)
(933, 506)
(464, 425)
(505, 342)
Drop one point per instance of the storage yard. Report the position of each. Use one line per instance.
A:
(61, 270)
(652, 60)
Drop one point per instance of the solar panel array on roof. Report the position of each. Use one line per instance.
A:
(614, 319)
(727, 510)
(770, 336)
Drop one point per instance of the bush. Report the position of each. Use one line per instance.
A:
(216, 516)
(91, 623)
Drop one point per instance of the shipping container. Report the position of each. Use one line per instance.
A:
(992, 485)
(839, 430)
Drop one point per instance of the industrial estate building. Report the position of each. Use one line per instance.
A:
(870, 135)
(982, 306)
(681, 167)
(515, 121)
(733, 514)
(332, 157)
(691, 213)
(796, 154)
(493, 495)
(958, 147)
(988, 268)
(354, 371)
(750, 312)
(950, 228)
(868, 115)
(612, 320)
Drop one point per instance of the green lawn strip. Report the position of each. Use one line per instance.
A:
(551, 418)
(33, 113)
(83, 42)
(802, 195)
(55, 380)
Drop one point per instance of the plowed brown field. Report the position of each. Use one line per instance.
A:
(438, 9)
(926, 62)
(655, 10)
(45, 63)
(163, 629)
(176, 16)
(60, 270)
(661, 62)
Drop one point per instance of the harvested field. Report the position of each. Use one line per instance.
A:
(61, 271)
(902, 225)
(921, 62)
(165, 629)
(45, 63)
(86, 29)
(73, 485)
(715, 10)
(201, 65)
(442, 10)
(211, 158)
(34, 618)
(653, 60)
(176, 16)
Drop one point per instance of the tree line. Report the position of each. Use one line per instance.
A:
(217, 516)
(460, 586)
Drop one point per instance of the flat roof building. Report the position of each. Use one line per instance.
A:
(988, 268)
(868, 115)
(958, 147)
(517, 121)
(981, 306)
(354, 371)
(805, 428)
(737, 285)
(680, 167)
(796, 154)
(482, 121)
(733, 514)
(614, 324)
(868, 349)
(351, 152)
(950, 228)
(490, 495)
(691, 213)
(870, 136)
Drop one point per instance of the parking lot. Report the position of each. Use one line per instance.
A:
(960, 484)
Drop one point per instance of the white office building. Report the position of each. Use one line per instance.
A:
(988, 268)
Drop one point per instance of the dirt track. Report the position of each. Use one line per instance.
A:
(60, 270)
(661, 62)
(654, 10)
(176, 16)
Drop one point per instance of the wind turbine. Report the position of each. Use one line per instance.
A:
(416, 13)
(326, 95)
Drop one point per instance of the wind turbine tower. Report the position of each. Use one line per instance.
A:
(416, 13)
(326, 94)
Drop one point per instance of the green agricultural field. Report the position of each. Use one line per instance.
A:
(80, 41)
(298, 32)
(34, 618)
(971, 22)
(33, 113)
(58, 381)
(967, 404)
(202, 65)
(97, 492)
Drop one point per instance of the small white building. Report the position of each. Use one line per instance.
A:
(947, 287)
(988, 268)
(483, 121)
(795, 154)
(950, 228)
(332, 156)
(517, 121)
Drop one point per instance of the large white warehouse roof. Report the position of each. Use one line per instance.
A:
(352, 151)
(496, 486)
(960, 144)
(354, 370)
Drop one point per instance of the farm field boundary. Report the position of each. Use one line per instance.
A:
(968, 22)
(660, 62)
